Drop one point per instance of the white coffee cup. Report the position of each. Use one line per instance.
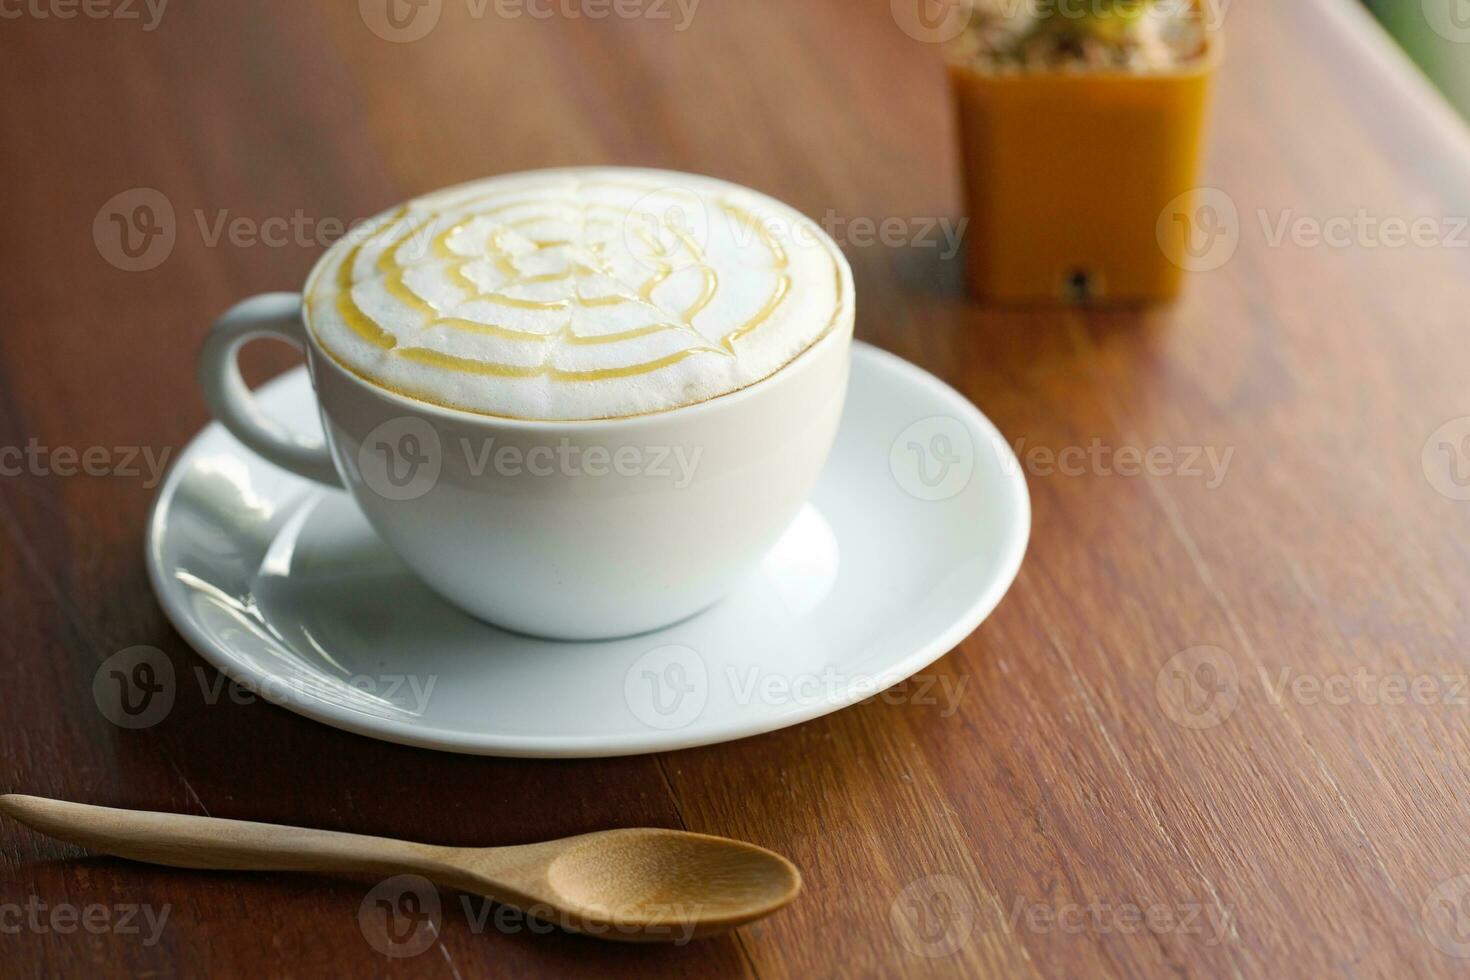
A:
(573, 530)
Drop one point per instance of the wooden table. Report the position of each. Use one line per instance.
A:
(1083, 790)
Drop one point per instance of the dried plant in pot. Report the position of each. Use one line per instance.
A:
(1080, 122)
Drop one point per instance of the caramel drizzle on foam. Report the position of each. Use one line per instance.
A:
(392, 274)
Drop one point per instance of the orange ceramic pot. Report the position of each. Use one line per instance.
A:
(1067, 174)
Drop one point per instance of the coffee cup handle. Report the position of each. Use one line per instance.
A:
(275, 315)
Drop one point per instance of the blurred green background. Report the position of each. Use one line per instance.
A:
(1436, 34)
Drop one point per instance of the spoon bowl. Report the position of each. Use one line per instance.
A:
(650, 875)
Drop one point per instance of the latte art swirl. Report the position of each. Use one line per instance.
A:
(579, 294)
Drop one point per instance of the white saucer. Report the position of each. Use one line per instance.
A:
(914, 534)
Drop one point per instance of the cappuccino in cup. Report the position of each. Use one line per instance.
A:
(575, 295)
(500, 367)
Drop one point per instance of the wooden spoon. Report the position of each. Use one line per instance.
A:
(636, 885)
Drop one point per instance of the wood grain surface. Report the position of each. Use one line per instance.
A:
(1219, 727)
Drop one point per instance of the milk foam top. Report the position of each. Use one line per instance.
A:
(579, 294)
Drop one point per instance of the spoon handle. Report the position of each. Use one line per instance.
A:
(182, 841)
